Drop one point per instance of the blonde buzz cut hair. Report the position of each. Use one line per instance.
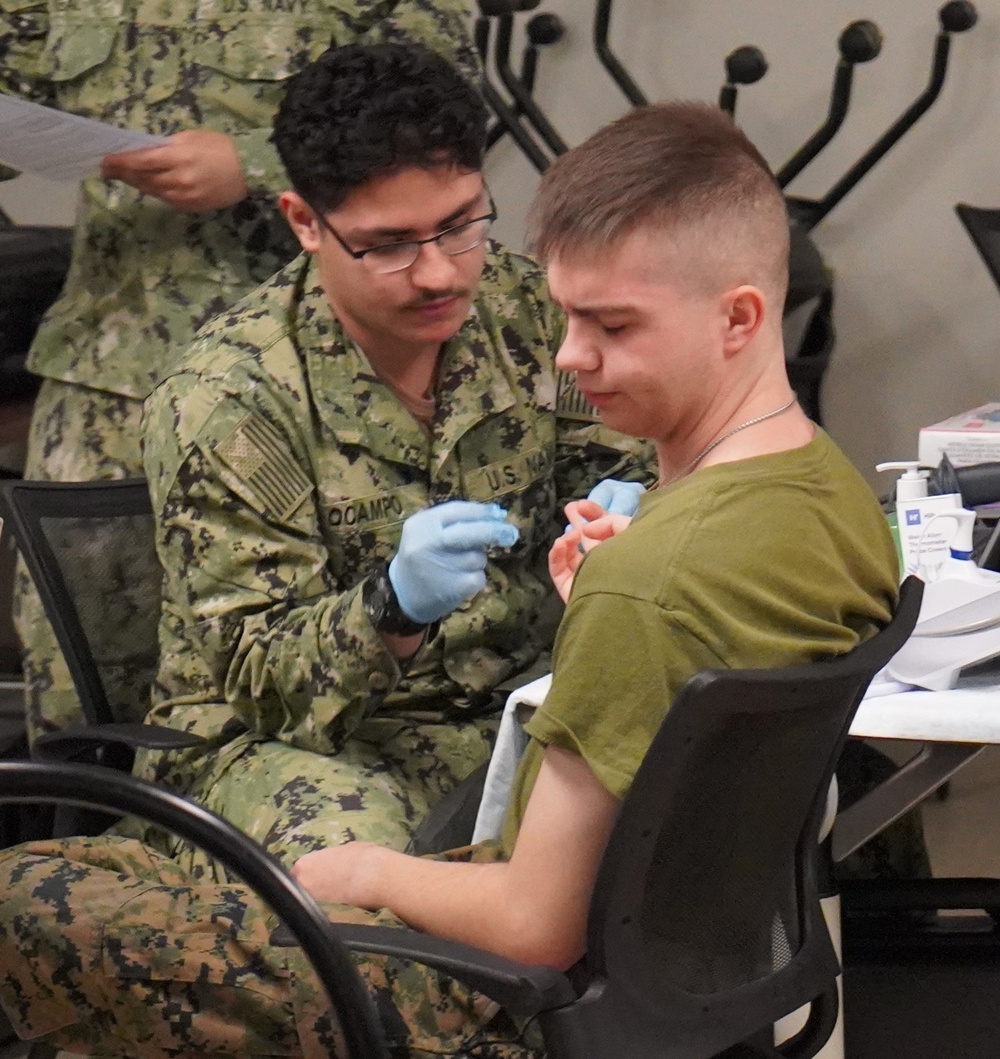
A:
(680, 168)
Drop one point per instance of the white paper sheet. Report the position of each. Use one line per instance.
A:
(66, 147)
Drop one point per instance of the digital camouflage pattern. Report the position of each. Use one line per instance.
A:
(111, 949)
(144, 277)
(282, 469)
(96, 435)
(378, 788)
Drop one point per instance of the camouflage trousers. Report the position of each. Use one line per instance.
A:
(77, 435)
(108, 948)
(378, 788)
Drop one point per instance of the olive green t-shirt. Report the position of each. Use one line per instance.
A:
(765, 562)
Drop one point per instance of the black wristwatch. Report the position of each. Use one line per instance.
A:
(378, 597)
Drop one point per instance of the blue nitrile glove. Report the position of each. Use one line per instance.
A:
(617, 498)
(442, 556)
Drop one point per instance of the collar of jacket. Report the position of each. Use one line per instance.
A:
(359, 409)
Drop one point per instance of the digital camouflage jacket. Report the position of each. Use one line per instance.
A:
(144, 277)
(282, 469)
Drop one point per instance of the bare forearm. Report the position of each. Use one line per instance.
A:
(476, 904)
(445, 898)
(532, 908)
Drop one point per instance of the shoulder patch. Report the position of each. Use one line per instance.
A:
(256, 453)
(571, 404)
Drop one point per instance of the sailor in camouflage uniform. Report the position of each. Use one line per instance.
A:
(319, 419)
(179, 232)
(285, 464)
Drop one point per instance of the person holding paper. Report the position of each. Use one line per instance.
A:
(167, 237)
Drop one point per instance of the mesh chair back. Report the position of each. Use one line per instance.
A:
(705, 923)
(983, 226)
(90, 549)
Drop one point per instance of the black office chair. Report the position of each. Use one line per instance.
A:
(983, 226)
(16, 824)
(90, 549)
(705, 927)
(100, 788)
(34, 260)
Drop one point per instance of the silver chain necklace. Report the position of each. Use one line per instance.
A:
(687, 468)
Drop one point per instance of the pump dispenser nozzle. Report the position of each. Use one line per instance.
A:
(912, 484)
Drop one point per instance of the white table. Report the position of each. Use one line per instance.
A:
(950, 728)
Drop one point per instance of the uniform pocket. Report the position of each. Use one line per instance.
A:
(197, 986)
(359, 531)
(81, 36)
(523, 483)
(144, 953)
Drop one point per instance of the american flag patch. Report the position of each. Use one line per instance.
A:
(257, 454)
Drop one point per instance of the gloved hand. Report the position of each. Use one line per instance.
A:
(617, 498)
(442, 556)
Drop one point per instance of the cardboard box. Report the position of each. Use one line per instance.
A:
(969, 437)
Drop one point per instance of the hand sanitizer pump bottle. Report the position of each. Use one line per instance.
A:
(920, 545)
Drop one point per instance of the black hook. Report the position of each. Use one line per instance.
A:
(745, 65)
(602, 22)
(507, 118)
(522, 97)
(542, 30)
(859, 43)
(957, 16)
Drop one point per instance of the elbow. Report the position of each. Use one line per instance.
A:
(544, 941)
(564, 958)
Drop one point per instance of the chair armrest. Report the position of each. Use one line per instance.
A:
(523, 989)
(71, 743)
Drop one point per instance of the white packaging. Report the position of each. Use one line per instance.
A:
(969, 437)
(958, 628)
(925, 547)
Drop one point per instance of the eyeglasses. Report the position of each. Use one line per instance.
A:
(394, 257)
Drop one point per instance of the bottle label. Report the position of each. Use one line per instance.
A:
(925, 542)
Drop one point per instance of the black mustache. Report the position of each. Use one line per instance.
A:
(437, 296)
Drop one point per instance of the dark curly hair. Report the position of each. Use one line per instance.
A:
(364, 110)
